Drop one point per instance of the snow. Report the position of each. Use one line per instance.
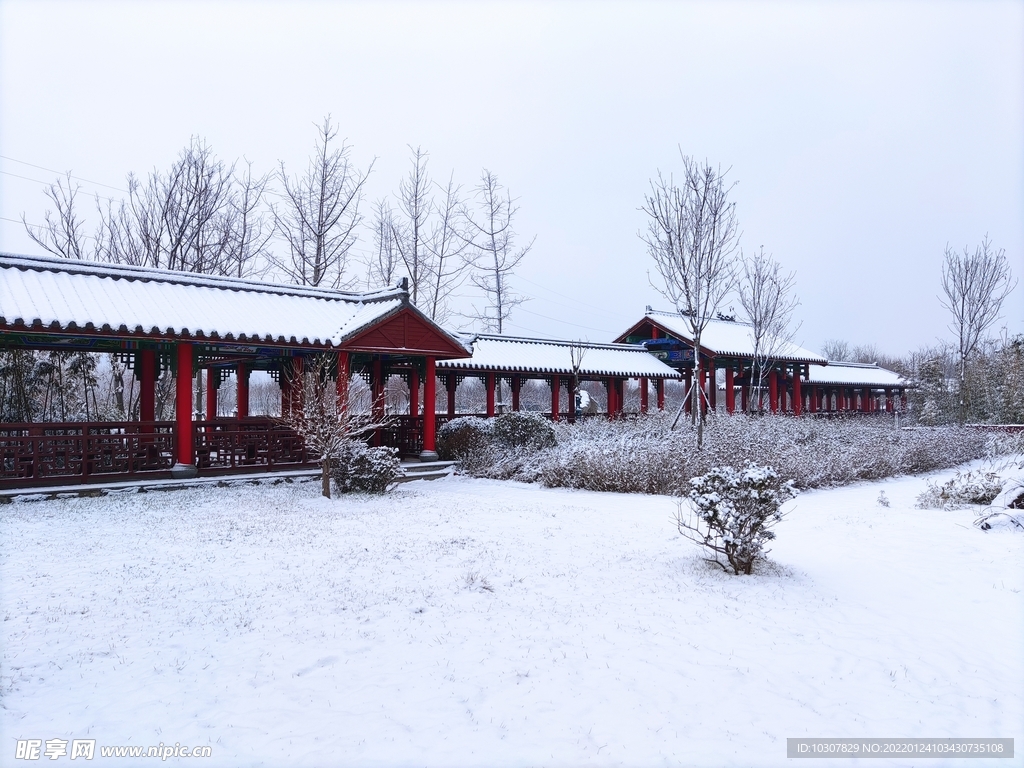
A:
(72, 294)
(728, 337)
(476, 622)
(510, 353)
(854, 374)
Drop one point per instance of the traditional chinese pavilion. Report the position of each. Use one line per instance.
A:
(798, 380)
(193, 325)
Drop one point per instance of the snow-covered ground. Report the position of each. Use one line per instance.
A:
(469, 622)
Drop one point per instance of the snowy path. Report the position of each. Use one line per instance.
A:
(468, 622)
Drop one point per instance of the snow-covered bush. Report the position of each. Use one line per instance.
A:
(464, 437)
(965, 489)
(523, 429)
(642, 454)
(358, 468)
(732, 511)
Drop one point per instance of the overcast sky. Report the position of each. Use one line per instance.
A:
(864, 137)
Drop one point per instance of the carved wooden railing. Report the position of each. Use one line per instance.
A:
(247, 443)
(52, 453)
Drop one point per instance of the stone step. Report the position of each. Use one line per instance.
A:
(436, 474)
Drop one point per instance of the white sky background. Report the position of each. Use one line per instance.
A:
(864, 136)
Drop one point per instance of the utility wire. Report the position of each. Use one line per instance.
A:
(76, 178)
(48, 183)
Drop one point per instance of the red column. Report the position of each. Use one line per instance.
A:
(517, 384)
(343, 380)
(773, 390)
(489, 381)
(730, 393)
(556, 385)
(414, 391)
(451, 385)
(610, 387)
(813, 401)
(285, 380)
(687, 386)
(242, 390)
(798, 396)
(888, 401)
(147, 391)
(745, 391)
(643, 394)
(211, 393)
(429, 420)
(655, 334)
(298, 395)
(712, 385)
(183, 406)
(865, 399)
(377, 395)
(659, 386)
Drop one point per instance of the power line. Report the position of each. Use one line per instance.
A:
(48, 183)
(38, 226)
(77, 178)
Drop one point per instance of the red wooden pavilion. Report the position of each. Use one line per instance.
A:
(158, 320)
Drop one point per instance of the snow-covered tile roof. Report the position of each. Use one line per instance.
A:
(69, 295)
(728, 337)
(549, 356)
(854, 375)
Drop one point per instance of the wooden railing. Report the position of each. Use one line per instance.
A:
(247, 443)
(53, 453)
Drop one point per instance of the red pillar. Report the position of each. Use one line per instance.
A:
(211, 394)
(147, 391)
(298, 395)
(242, 390)
(865, 399)
(660, 388)
(745, 391)
(556, 385)
(517, 384)
(712, 385)
(377, 395)
(489, 380)
(888, 401)
(654, 333)
(813, 401)
(285, 380)
(343, 379)
(183, 406)
(429, 420)
(687, 386)
(773, 390)
(643, 394)
(730, 393)
(451, 385)
(798, 396)
(414, 391)
(610, 388)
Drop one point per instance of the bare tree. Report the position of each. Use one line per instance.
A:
(410, 227)
(836, 350)
(383, 261)
(62, 234)
(975, 286)
(320, 213)
(447, 245)
(691, 235)
(766, 295)
(250, 230)
(492, 236)
(324, 425)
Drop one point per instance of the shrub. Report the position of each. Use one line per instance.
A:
(733, 512)
(361, 469)
(522, 429)
(964, 489)
(463, 438)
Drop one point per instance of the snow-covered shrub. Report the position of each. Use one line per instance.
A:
(463, 437)
(883, 500)
(359, 468)
(523, 429)
(732, 511)
(965, 489)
